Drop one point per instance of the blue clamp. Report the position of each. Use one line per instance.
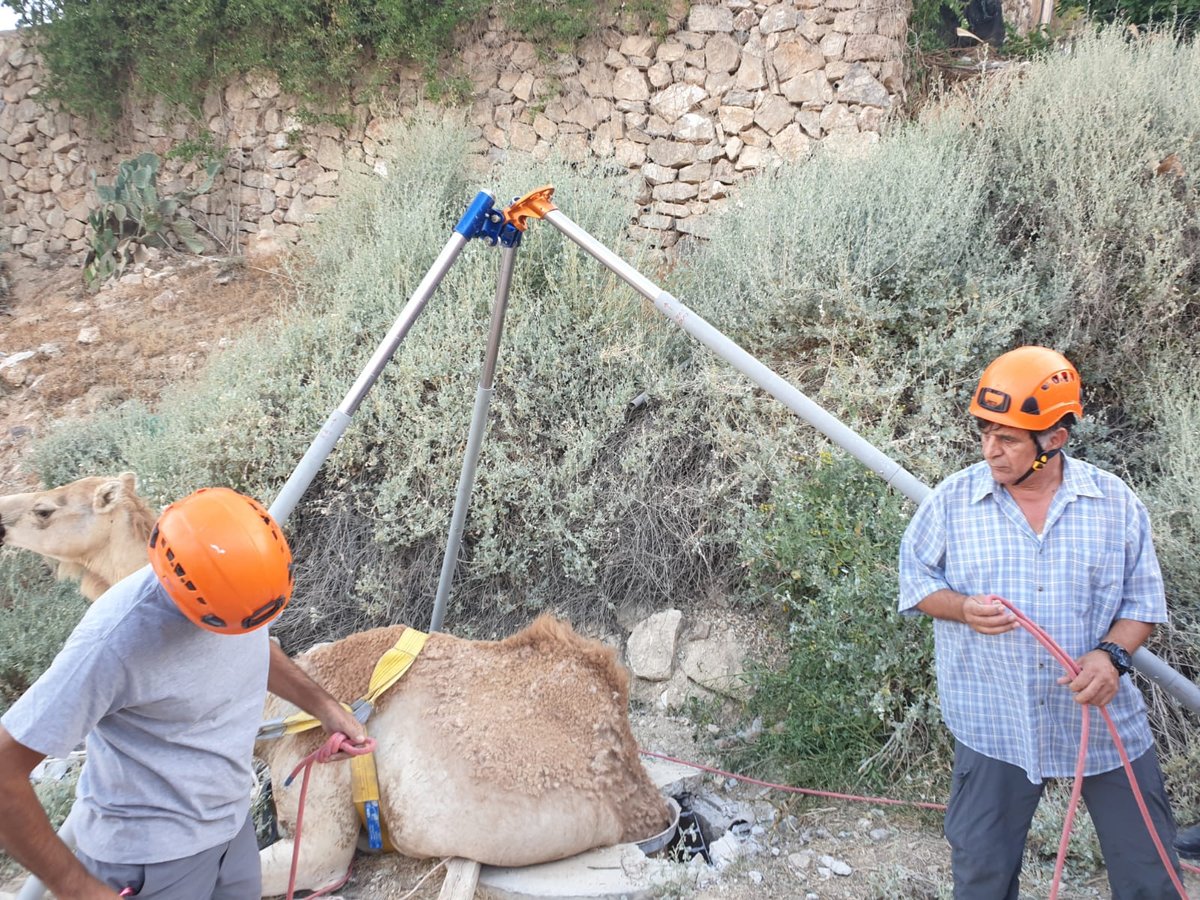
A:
(483, 220)
(374, 827)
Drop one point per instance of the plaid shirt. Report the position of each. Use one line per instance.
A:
(1094, 563)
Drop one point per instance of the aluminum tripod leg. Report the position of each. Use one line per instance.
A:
(888, 469)
(483, 400)
(339, 419)
(1173, 682)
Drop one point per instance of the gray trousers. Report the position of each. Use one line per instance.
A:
(228, 871)
(992, 805)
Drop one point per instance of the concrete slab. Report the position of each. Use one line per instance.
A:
(622, 871)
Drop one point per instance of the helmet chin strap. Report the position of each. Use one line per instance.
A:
(1043, 457)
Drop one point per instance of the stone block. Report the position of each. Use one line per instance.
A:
(629, 84)
(696, 173)
(722, 53)
(871, 46)
(774, 113)
(792, 144)
(676, 100)
(808, 89)
(735, 119)
(751, 74)
(710, 19)
(671, 153)
(638, 45)
(695, 128)
(656, 174)
(781, 17)
(858, 86)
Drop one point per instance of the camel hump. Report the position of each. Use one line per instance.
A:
(550, 636)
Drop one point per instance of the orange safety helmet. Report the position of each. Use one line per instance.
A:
(1030, 388)
(223, 560)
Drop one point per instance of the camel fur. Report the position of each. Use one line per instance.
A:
(506, 752)
(95, 529)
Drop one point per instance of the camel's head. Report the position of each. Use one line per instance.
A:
(72, 522)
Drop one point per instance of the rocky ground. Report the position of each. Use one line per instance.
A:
(66, 353)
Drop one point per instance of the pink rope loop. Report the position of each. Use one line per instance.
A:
(337, 743)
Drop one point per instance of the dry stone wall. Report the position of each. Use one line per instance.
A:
(726, 90)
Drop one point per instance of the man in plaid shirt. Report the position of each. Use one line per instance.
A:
(1069, 545)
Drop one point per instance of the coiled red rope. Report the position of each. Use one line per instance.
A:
(337, 743)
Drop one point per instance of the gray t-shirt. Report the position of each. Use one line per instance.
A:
(170, 712)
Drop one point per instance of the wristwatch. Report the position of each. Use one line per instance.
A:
(1120, 657)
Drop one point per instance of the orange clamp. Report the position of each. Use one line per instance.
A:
(533, 205)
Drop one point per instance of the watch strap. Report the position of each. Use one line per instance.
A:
(1119, 656)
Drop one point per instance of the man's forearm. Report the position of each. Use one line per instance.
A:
(26, 834)
(1129, 633)
(944, 604)
(288, 681)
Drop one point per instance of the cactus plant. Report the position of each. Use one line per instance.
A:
(132, 215)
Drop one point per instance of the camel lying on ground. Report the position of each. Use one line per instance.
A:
(506, 752)
(95, 528)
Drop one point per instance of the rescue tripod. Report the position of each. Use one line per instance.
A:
(506, 227)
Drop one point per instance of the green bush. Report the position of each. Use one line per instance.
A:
(99, 52)
(855, 682)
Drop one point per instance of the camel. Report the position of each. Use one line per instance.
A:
(507, 752)
(95, 528)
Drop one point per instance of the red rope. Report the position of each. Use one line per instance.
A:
(337, 743)
(1073, 669)
(885, 801)
(1076, 790)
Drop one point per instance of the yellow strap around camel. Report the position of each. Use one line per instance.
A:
(388, 670)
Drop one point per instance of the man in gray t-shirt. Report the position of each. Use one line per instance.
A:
(165, 677)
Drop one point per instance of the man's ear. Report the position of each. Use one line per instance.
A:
(1058, 439)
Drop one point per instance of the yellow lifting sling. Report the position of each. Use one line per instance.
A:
(363, 779)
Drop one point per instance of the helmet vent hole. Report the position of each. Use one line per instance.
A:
(170, 555)
(154, 537)
(1030, 406)
(189, 585)
(179, 570)
(214, 621)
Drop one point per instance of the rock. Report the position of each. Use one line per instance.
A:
(650, 651)
(88, 335)
(710, 19)
(859, 86)
(836, 866)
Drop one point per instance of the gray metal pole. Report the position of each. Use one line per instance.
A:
(335, 426)
(695, 325)
(483, 401)
(1184, 691)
